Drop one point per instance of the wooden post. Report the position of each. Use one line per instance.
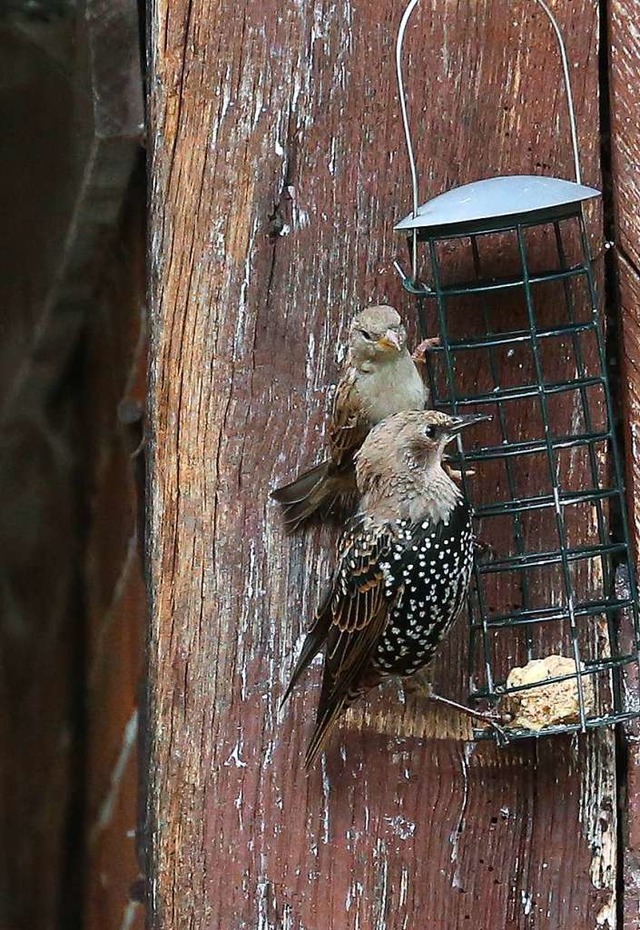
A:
(624, 69)
(277, 172)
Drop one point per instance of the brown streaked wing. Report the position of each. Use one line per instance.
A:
(354, 595)
(347, 668)
(349, 424)
(358, 586)
(359, 610)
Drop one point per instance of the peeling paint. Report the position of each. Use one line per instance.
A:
(326, 794)
(381, 885)
(527, 902)
(456, 833)
(401, 827)
(234, 758)
(606, 917)
(404, 886)
(598, 816)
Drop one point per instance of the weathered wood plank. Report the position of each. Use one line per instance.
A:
(624, 73)
(624, 54)
(68, 164)
(629, 282)
(625, 155)
(268, 117)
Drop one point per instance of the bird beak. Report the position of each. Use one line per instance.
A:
(389, 341)
(461, 421)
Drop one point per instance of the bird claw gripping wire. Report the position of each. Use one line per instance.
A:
(420, 685)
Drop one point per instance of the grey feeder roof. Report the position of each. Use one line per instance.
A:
(494, 201)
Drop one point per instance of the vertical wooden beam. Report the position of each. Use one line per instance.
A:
(624, 74)
(277, 172)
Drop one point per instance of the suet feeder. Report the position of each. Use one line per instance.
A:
(501, 269)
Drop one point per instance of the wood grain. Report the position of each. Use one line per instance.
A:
(625, 151)
(624, 70)
(277, 172)
(624, 52)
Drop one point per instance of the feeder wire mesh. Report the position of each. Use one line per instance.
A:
(593, 439)
(508, 283)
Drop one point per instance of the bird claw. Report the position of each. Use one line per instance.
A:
(457, 475)
(484, 551)
(494, 720)
(418, 684)
(420, 351)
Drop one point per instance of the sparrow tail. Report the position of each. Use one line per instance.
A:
(313, 490)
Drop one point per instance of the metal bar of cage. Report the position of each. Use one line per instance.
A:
(542, 501)
(529, 390)
(553, 614)
(517, 336)
(550, 557)
(534, 446)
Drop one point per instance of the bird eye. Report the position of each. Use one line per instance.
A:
(430, 432)
(366, 335)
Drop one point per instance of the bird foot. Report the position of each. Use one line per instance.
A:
(420, 685)
(420, 351)
(484, 551)
(456, 474)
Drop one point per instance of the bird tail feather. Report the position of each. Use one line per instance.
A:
(312, 646)
(324, 725)
(311, 491)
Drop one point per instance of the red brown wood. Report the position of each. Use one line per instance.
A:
(625, 139)
(277, 172)
(625, 152)
(115, 596)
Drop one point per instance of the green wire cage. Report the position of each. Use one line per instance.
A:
(501, 269)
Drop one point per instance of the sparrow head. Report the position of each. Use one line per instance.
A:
(409, 442)
(376, 334)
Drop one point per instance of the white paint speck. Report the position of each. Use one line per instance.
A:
(326, 791)
(401, 826)
(234, 758)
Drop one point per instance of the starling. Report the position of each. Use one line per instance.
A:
(380, 377)
(403, 566)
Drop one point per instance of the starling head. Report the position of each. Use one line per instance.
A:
(376, 334)
(410, 440)
(399, 466)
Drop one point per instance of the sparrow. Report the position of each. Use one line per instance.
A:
(380, 377)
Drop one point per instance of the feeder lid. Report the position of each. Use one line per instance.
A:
(496, 199)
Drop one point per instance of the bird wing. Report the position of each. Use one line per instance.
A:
(354, 616)
(349, 424)
(350, 601)
(358, 580)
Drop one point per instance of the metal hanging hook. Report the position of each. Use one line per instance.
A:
(405, 118)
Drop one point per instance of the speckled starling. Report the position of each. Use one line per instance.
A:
(380, 377)
(403, 565)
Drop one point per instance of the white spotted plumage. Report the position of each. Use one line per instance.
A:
(426, 579)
